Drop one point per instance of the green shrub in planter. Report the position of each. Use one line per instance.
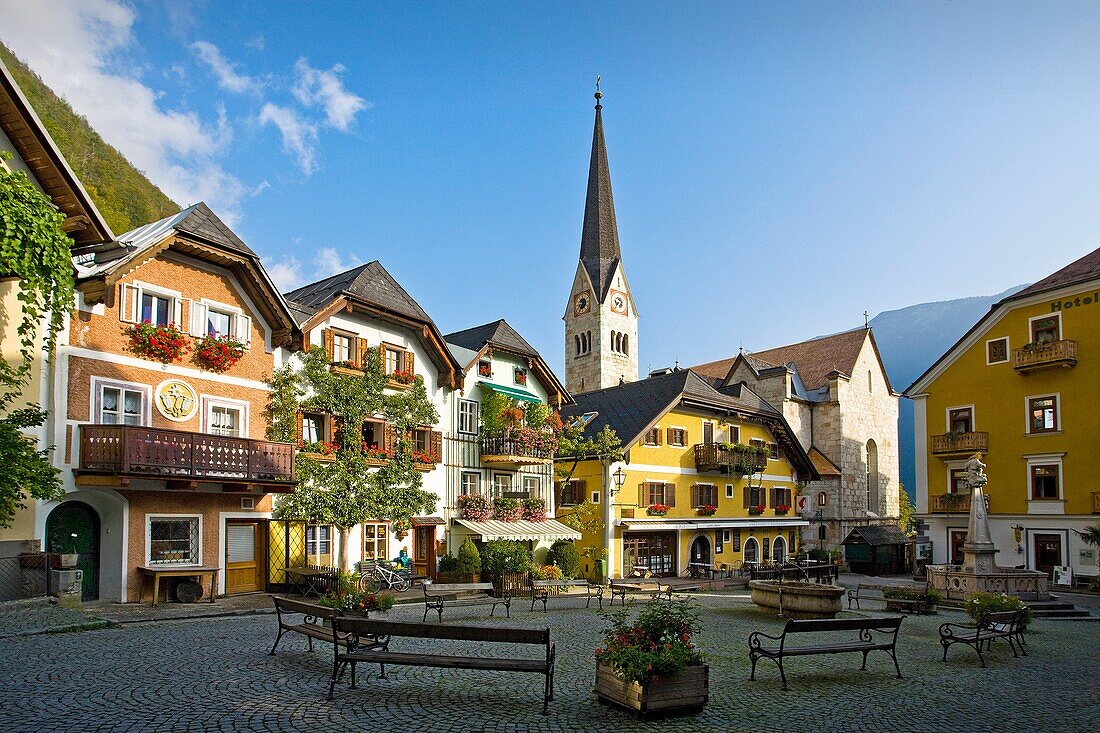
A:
(820, 555)
(505, 556)
(469, 559)
(563, 553)
(981, 602)
(448, 563)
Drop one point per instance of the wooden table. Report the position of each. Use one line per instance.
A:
(311, 580)
(176, 571)
(700, 570)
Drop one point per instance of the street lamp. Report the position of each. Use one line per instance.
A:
(620, 478)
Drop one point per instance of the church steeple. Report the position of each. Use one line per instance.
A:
(601, 322)
(599, 235)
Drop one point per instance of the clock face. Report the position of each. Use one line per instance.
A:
(618, 302)
(582, 303)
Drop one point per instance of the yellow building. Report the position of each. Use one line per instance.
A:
(1023, 387)
(708, 476)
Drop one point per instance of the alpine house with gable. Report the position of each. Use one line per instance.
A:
(708, 477)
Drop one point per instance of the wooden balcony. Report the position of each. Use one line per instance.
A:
(1096, 502)
(183, 458)
(504, 450)
(1054, 354)
(949, 504)
(710, 457)
(954, 444)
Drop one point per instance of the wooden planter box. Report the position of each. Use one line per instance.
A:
(322, 457)
(683, 694)
(444, 577)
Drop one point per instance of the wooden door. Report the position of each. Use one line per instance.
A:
(957, 538)
(424, 551)
(1048, 552)
(244, 556)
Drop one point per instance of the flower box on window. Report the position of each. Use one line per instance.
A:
(707, 510)
(424, 461)
(218, 353)
(163, 343)
(377, 456)
(781, 510)
(317, 450)
(347, 368)
(756, 510)
(657, 510)
(474, 507)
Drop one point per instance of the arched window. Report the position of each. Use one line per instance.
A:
(822, 498)
(577, 339)
(872, 477)
(779, 550)
(821, 533)
(750, 550)
(626, 344)
(587, 341)
(869, 381)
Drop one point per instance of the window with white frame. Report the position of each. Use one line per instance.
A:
(156, 309)
(318, 541)
(467, 416)
(342, 348)
(1042, 414)
(218, 323)
(532, 487)
(1044, 481)
(375, 540)
(734, 434)
(120, 405)
(226, 420)
(729, 491)
(313, 427)
(174, 540)
(504, 486)
(471, 482)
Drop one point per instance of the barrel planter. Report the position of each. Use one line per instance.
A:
(797, 599)
(681, 694)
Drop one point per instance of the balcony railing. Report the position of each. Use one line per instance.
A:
(728, 459)
(1056, 353)
(956, 443)
(502, 449)
(949, 504)
(1096, 502)
(130, 450)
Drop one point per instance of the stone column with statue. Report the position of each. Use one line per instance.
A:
(978, 551)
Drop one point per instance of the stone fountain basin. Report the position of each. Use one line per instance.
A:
(797, 598)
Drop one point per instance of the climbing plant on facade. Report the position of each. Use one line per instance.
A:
(351, 489)
(34, 253)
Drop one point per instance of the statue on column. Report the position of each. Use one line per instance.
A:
(975, 472)
(978, 551)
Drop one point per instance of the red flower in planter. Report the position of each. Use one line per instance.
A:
(218, 353)
(403, 377)
(163, 343)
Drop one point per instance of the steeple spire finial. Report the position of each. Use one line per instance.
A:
(599, 234)
(598, 95)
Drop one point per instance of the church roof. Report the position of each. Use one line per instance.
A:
(600, 253)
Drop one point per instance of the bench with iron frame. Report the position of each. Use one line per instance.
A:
(873, 634)
(381, 634)
(870, 592)
(316, 622)
(1008, 625)
(541, 590)
(438, 596)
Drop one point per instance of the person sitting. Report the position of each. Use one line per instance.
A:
(403, 561)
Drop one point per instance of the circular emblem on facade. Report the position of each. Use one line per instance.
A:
(582, 303)
(618, 303)
(176, 400)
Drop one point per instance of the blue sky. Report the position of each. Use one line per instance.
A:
(778, 168)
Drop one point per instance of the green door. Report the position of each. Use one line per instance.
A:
(79, 519)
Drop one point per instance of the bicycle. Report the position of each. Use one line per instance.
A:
(375, 577)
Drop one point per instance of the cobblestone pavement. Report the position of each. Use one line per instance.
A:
(216, 675)
(20, 618)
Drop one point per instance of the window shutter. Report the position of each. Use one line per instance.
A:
(335, 426)
(582, 490)
(668, 436)
(390, 437)
(327, 343)
(198, 318)
(559, 489)
(437, 445)
(382, 358)
(670, 494)
(657, 432)
(243, 326)
(643, 494)
(177, 312)
(410, 362)
(298, 429)
(361, 347)
(748, 497)
(128, 296)
(696, 499)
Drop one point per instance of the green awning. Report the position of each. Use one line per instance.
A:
(515, 394)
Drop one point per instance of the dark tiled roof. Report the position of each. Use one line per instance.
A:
(877, 534)
(370, 283)
(814, 359)
(1079, 271)
(497, 333)
(204, 223)
(599, 236)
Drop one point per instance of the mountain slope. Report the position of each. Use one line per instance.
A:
(125, 197)
(910, 340)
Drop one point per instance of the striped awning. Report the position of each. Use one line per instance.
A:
(514, 392)
(654, 525)
(494, 529)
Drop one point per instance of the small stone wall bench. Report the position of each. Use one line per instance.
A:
(438, 596)
(872, 634)
(541, 590)
(386, 632)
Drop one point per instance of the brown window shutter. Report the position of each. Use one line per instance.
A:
(748, 497)
(670, 494)
(643, 494)
(658, 431)
(382, 358)
(335, 427)
(437, 445)
(668, 436)
(327, 341)
(582, 490)
(559, 488)
(410, 362)
(298, 428)
(696, 500)
(390, 439)
(361, 347)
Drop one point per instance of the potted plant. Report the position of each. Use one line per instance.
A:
(651, 665)
(756, 510)
(707, 510)
(534, 509)
(402, 377)
(401, 528)
(376, 456)
(983, 602)
(319, 450)
(474, 507)
(781, 510)
(507, 509)
(468, 563)
(218, 353)
(163, 343)
(657, 510)
(347, 367)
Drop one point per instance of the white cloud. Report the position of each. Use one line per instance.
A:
(299, 134)
(74, 47)
(224, 70)
(256, 43)
(325, 88)
(289, 273)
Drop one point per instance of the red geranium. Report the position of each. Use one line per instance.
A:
(218, 353)
(163, 343)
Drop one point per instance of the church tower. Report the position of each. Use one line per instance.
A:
(601, 322)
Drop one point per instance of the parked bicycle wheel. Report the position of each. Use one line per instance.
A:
(401, 584)
(370, 582)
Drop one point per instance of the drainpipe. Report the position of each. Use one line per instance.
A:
(608, 517)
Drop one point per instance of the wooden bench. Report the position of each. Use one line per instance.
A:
(869, 592)
(438, 596)
(387, 631)
(541, 590)
(313, 624)
(655, 588)
(873, 634)
(991, 625)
